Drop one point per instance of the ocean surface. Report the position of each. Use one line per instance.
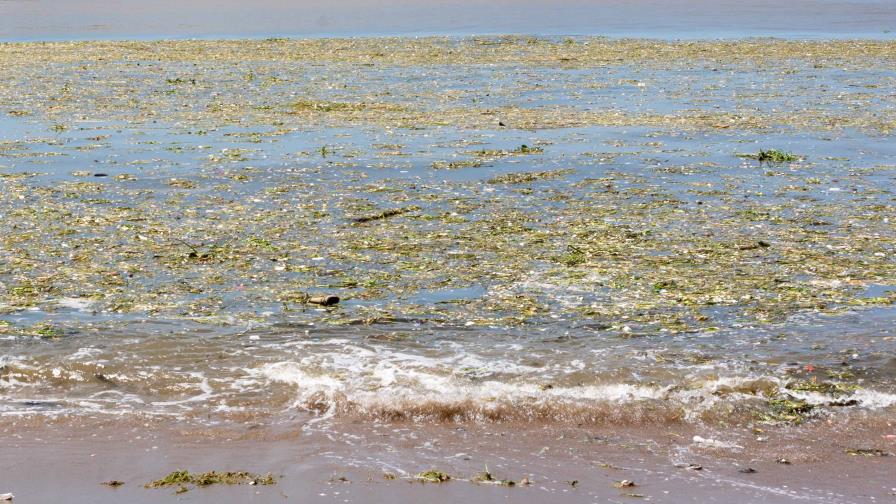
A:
(677, 19)
(550, 231)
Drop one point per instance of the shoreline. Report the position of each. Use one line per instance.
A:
(292, 37)
(379, 463)
(690, 19)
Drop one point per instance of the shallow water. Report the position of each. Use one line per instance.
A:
(166, 208)
(687, 19)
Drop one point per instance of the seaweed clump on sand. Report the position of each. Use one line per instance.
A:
(487, 477)
(433, 476)
(786, 410)
(208, 478)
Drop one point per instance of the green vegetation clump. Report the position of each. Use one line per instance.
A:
(823, 387)
(772, 156)
(525, 149)
(332, 106)
(173, 478)
(456, 165)
(526, 177)
(786, 411)
(183, 477)
(433, 476)
(522, 150)
(46, 331)
(574, 256)
(385, 214)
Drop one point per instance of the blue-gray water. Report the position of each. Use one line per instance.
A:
(689, 19)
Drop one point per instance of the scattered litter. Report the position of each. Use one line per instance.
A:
(328, 300)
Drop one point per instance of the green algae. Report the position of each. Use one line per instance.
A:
(527, 177)
(182, 478)
(385, 214)
(525, 149)
(433, 476)
(772, 156)
(785, 410)
(301, 106)
(456, 165)
(173, 478)
(830, 388)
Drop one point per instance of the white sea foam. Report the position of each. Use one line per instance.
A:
(372, 379)
(78, 304)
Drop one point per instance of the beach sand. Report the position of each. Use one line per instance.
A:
(349, 463)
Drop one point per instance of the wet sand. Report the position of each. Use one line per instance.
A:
(350, 464)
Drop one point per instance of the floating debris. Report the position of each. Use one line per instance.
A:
(526, 177)
(382, 215)
(327, 300)
(867, 452)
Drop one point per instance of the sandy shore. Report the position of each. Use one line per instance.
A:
(352, 464)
